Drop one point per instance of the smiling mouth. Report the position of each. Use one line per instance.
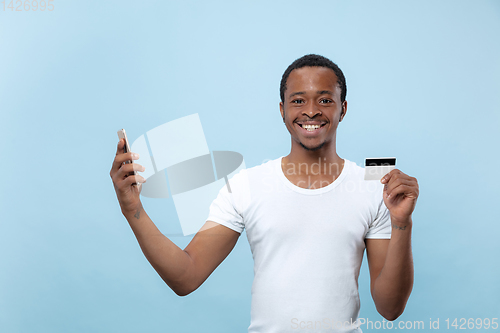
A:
(311, 128)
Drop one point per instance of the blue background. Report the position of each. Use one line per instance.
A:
(423, 86)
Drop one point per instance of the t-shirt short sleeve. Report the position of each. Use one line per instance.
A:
(223, 210)
(381, 226)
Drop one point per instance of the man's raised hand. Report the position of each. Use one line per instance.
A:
(122, 175)
(400, 195)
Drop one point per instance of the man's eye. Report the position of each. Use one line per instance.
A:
(325, 100)
(297, 101)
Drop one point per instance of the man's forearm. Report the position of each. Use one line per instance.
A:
(393, 286)
(171, 262)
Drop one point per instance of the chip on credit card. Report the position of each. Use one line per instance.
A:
(378, 167)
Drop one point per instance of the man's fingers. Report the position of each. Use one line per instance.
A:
(395, 181)
(119, 148)
(126, 169)
(389, 175)
(405, 187)
(123, 183)
(117, 162)
(395, 174)
(122, 157)
(133, 179)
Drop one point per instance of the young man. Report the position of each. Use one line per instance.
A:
(308, 217)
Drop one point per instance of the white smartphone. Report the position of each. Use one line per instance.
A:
(126, 148)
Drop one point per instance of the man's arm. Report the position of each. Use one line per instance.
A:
(391, 261)
(391, 273)
(183, 270)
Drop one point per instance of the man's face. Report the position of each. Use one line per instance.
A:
(312, 99)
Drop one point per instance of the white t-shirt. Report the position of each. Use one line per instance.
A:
(307, 244)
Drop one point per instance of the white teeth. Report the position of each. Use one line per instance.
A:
(311, 128)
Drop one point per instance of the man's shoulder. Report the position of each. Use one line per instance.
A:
(266, 167)
(255, 173)
(354, 169)
(356, 180)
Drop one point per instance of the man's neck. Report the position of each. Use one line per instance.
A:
(314, 164)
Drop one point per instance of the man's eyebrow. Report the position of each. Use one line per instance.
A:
(297, 93)
(319, 92)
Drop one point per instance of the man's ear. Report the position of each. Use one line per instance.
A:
(344, 110)
(282, 111)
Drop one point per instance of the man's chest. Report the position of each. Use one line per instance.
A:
(329, 221)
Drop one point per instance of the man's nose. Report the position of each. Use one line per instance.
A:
(312, 110)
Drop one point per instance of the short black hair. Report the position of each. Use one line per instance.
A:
(314, 60)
